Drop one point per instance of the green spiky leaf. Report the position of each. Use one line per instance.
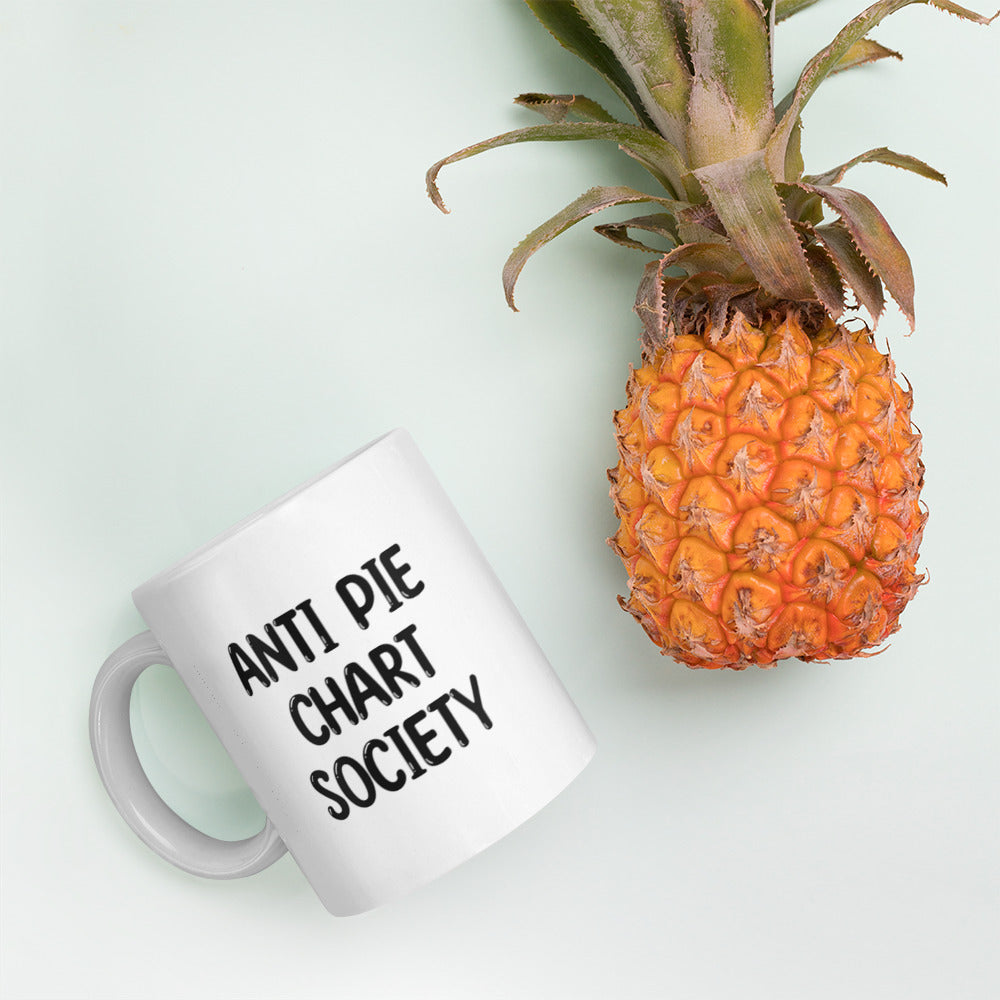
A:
(861, 53)
(660, 224)
(650, 305)
(644, 40)
(700, 224)
(787, 8)
(595, 200)
(653, 152)
(695, 258)
(877, 243)
(569, 27)
(880, 155)
(801, 206)
(826, 61)
(744, 198)
(730, 109)
(794, 164)
(852, 267)
(706, 264)
(826, 278)
(560, 107)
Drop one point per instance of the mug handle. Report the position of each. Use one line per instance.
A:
(153, 821)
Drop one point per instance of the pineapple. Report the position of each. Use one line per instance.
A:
(769, 474)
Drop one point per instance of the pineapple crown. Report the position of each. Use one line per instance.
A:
(745, 222)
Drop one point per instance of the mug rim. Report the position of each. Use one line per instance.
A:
(209, 548)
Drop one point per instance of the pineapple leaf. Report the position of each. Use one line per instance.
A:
(853, 268)
(745, 199)
(559, 107)
(673, 10)
(801, 206)
(569, 27)
(704, 217)
(770, 12)
(658, 295)
(700, 224)
(721, 298)
(693, 258)
(651, 304)
(826, 61)
(786, 8)
(877, 243)
(652, 151)
(660, 224)
(594, 200)
(794, 164)
(826, 278)
(861, 53)
(644, 39)
(880, 155)
(730, 110)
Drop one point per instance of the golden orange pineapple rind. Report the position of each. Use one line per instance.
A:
(769, 474)
(768, 495)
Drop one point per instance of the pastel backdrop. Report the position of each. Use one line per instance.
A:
(221, 273)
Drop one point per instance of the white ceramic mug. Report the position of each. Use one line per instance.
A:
(370, 678)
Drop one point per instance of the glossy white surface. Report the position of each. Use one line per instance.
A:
(344, 643)
(221, 273)
(129, 787)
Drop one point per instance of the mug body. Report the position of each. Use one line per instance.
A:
(369, 676)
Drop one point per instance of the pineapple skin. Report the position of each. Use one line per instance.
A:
(768, 492)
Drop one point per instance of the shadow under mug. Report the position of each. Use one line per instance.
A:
(370, 678)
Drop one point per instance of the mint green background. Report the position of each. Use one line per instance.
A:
(221, 273)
